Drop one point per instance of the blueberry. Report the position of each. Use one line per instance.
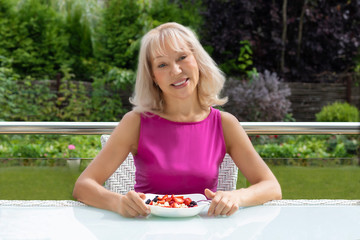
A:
(155, 199)
(148, 201)
(193, 203)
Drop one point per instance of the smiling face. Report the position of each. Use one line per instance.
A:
(175, 71)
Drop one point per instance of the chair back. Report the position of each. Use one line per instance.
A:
(123, 179)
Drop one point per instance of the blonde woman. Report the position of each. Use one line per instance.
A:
(176, 136)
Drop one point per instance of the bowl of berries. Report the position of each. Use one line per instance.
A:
(185, 205)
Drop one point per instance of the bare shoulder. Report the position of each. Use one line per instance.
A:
(129, 127)
(130, 120)
(131, 117)
(228, 120)
(234, 134)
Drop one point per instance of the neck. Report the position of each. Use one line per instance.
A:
(185, 110)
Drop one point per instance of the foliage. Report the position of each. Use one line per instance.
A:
(29, 100)
(47, 146)
(243, 64)
(33, 36)
(80, 46)
(124, 22)
(262, 99)
(305, 149)
(20, 100)
(322, 36)
(119, 33)
(290, 150)
(185, 12)
(338, 112)
(106, 96)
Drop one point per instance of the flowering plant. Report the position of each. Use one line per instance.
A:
(71, 147)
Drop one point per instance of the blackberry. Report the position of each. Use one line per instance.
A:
(193, 203)
(148, 201)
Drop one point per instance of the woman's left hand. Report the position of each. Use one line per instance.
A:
(223, 202)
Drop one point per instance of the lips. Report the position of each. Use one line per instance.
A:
(180, 82)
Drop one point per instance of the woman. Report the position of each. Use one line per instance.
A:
(178, 140)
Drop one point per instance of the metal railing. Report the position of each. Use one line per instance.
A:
(92, 128)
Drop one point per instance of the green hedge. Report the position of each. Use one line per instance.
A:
(307, 149)
(76, 40)
(338, 112)
(30, 100)
(298, 150)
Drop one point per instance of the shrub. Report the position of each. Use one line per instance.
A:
(106, 97)
(186, 12)
(264, 98)
(338, 112)
(118, 34)
(35, 39)
(20, 100)
(321, 35)
(124, 22)
(305, 149)
(243, 65)
(80, 46)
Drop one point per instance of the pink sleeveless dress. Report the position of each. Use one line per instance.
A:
(179, 157)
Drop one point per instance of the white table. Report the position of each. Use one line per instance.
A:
(302, 219)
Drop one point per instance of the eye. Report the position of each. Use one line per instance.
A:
(182, 57)
(161, 65)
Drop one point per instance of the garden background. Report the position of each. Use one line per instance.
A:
(63, 60)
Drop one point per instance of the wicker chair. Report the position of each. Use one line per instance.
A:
(123, 179)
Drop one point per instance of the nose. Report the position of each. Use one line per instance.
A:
(176, 69)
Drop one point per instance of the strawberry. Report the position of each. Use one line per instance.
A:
(178, 200)
(187, 201)
(175, 205)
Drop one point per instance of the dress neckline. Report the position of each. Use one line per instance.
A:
(186, 123)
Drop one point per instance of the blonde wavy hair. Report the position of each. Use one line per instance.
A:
(147, 96)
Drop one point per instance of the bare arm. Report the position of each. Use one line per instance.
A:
(88, 188)
(264, 185)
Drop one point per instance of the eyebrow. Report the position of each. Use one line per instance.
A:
(158, 57)
(182, 51)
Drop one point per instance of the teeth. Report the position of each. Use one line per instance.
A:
(180, 83)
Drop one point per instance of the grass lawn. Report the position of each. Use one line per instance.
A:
(56, 183)
(317, 182)
(37, 183)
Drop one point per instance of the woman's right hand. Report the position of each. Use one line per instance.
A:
(132, 205)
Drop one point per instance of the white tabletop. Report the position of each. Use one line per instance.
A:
(273, 221)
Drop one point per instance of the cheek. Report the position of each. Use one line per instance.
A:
(158, 75)
(195, 68)
(193, 64)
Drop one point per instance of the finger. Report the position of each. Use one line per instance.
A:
(142, 195)
(233, 210)
(209, 194)
(137, 203)
(221, 207)
(129, 211)
(227, 207)
(214, 204)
